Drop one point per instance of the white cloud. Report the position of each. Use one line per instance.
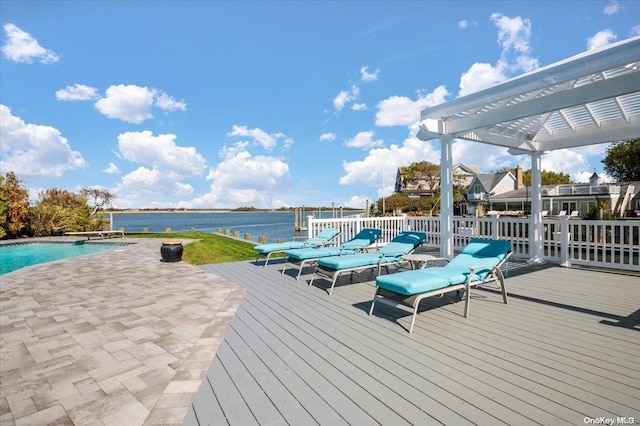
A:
(77, 92)
(34, 150)
(261, 176)
(169, 165)
(345, 97)
(635, 30)
(612, 8)
(144, 181)
(22, 47)
(133, 103)
(367, 76)
(569, 161)
(167, 103)
(162, 153)
(364, 140)
(601, 38)
(259, 136)
(359, 107)
(403, 111)
(111, 169)
(244, 178)
(330, 136)
(514, 35)
(381, 164)
(480, 76)
(462, 24)
(358, 202)
(492, 157)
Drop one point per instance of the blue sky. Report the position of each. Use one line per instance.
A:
(214, 104)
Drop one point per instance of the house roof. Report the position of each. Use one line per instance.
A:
(490, 180)
(590, 98)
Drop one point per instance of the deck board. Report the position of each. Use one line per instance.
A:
(566, 347)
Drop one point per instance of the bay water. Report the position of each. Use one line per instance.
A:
(272, 225)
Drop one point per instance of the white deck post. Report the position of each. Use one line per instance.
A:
(535, 224)
(446, 198)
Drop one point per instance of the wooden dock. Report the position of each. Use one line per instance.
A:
(565, 348)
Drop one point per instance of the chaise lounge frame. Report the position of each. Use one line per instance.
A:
(314, 242)
(413, 301)
(386, 258)
(354, 246)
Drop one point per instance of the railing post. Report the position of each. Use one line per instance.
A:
(310, 226)
(495, 233)
(565, 235)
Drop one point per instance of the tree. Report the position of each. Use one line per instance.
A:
(14, 206)
(100, 198)
(60, 208)
(547, 177)
(424, 171)
(622, 161)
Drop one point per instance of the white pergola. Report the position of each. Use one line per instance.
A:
(590, 98)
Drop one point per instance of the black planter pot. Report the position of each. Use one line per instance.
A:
(171, 251)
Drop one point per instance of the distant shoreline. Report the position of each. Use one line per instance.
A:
(135, 211)
(189, 211)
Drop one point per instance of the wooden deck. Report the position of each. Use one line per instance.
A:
(565, 348)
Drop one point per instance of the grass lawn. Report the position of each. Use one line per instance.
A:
(208, 248)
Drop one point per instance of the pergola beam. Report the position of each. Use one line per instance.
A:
(597, 91)
(587, 63)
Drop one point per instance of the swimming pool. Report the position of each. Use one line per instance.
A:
(18, 255)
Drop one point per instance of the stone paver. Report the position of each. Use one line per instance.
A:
(113, 338)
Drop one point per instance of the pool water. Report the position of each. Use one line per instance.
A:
(19, 255)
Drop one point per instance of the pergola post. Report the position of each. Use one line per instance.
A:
(536, 230)
(446, 198)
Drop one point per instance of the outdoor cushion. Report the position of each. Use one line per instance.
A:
(350, 261)
(394, 250)
(313, 253)
(483, 255)
(268, 248)
(362, 239)
(412, 282)
(321, 238)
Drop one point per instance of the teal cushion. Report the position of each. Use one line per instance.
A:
(326, 234)
(349, 261)
(412, 282)
(480, 252)
(269, 248)
(311, 253)
(370, 234)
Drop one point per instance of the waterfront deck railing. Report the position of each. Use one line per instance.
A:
(602, 243)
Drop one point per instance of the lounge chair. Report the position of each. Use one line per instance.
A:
(309, 256)
(391, 253)
(323, 238)
(479, 263)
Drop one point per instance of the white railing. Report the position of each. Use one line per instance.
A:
(603, 243)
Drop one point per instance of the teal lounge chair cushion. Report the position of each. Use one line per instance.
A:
(313, 253)
(412, 282)
(361, 240)
(478, 252)
(349, 261)
(289, 245)
(321, 238)
(393, 251)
